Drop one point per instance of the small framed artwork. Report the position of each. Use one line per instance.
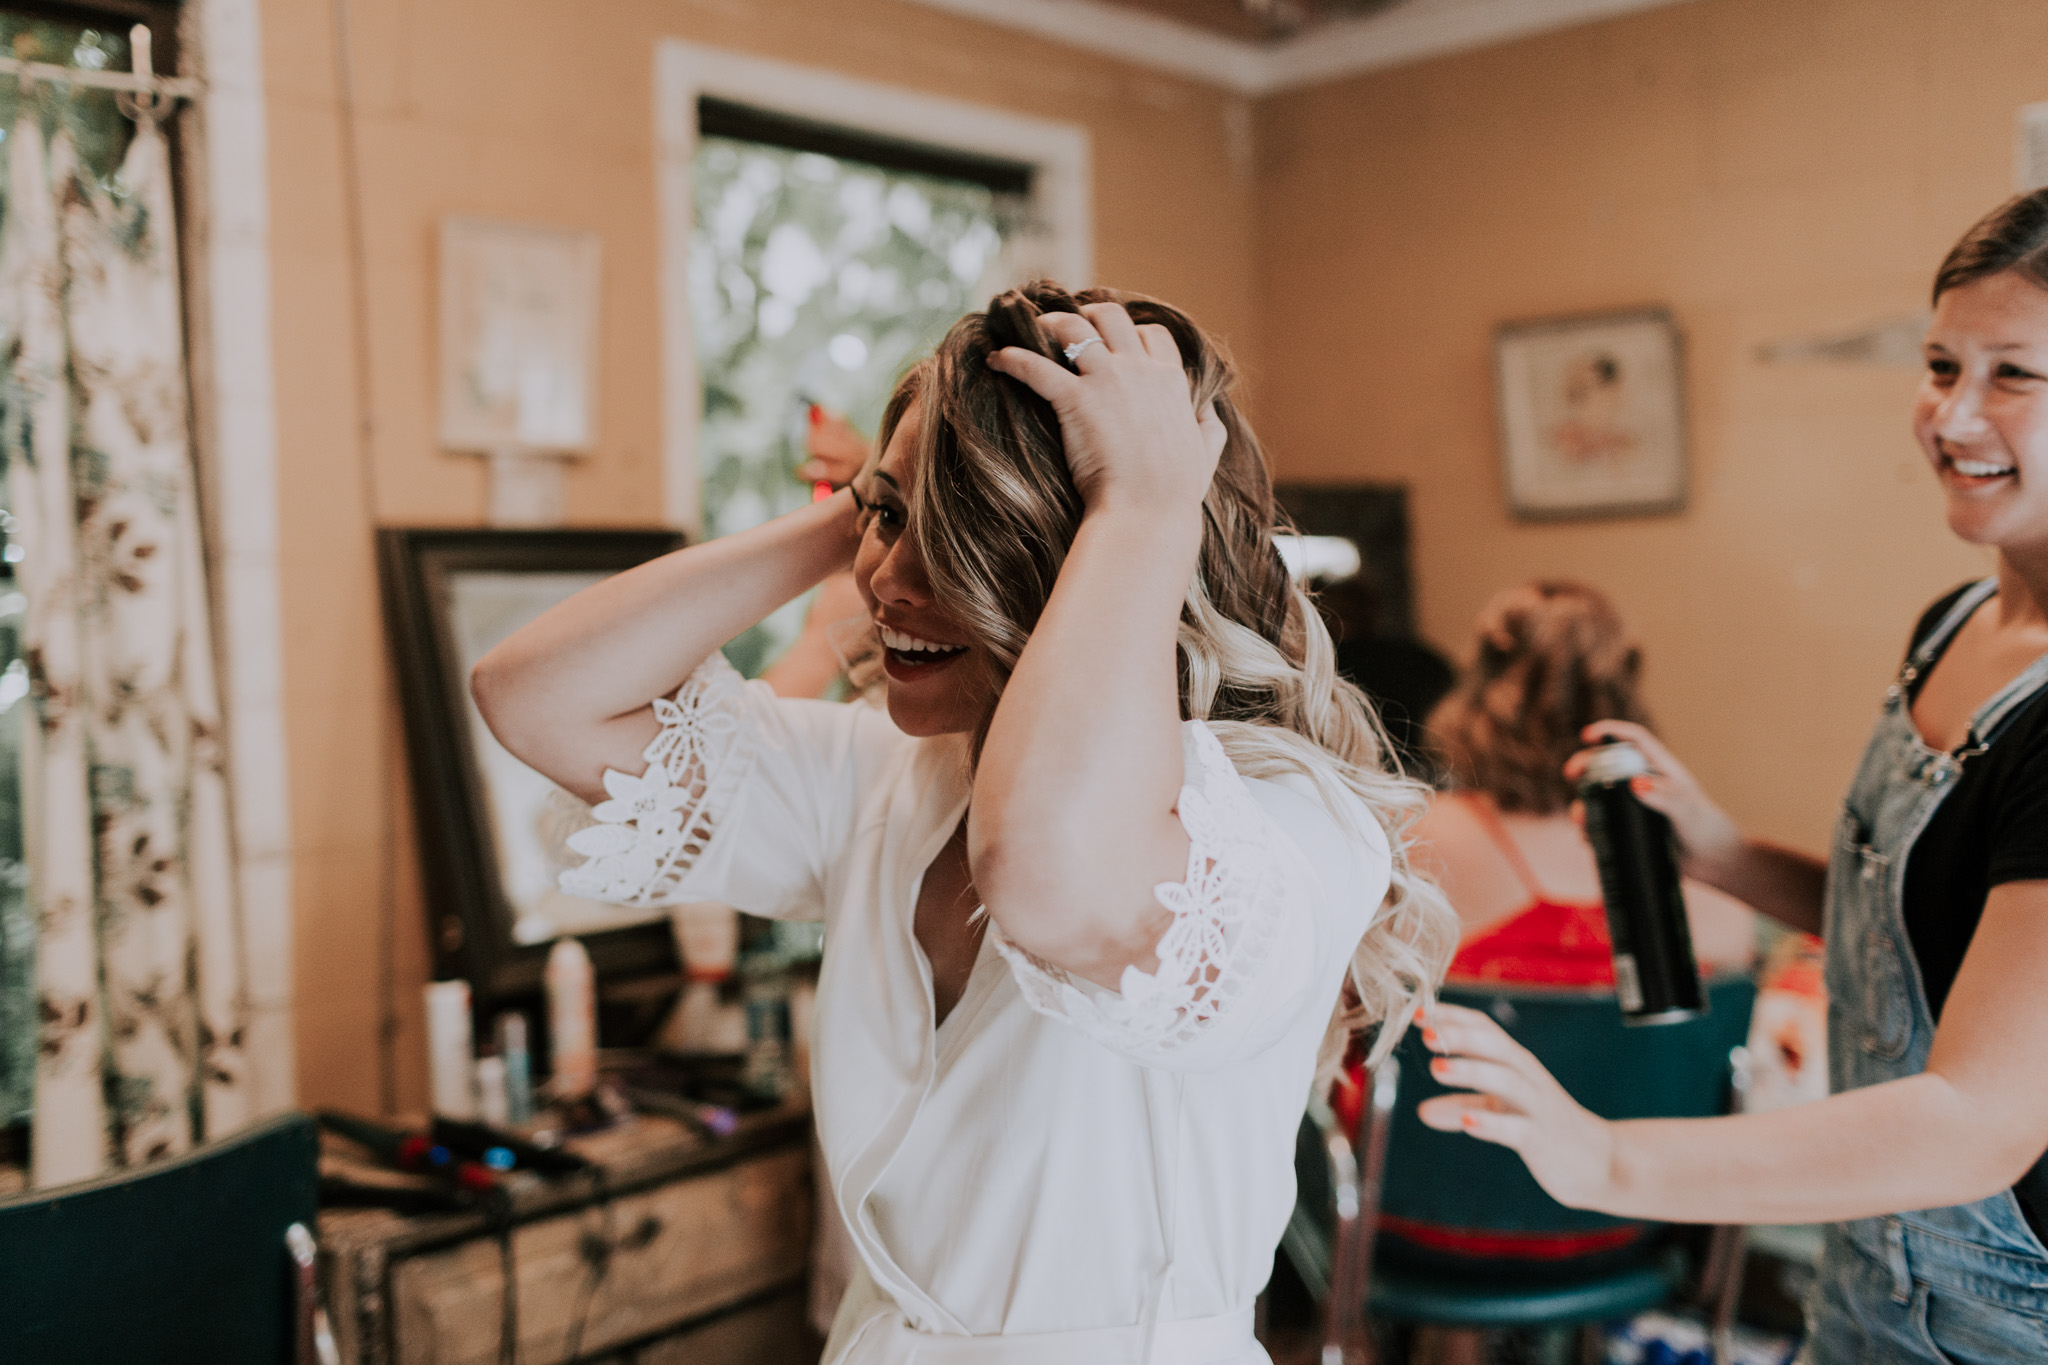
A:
(1592, 415)
(518, 337)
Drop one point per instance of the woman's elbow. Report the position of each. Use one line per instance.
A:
(494, 685)
(1070, 922)
(488, 685)
(1060, 939)
(2006, 1161)
(1989, 1149)
(1027, 899)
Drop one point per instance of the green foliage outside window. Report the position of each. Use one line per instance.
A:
(815, 279)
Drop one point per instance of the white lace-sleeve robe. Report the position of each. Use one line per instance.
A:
(1057, 1158)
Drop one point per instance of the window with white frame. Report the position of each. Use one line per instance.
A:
(820, 232)
(822, 264)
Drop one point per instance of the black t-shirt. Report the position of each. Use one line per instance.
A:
(1991, 829)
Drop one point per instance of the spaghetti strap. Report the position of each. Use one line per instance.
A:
(1481, 806)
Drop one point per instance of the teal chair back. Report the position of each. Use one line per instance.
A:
(1449, 1180)
(183, 1260)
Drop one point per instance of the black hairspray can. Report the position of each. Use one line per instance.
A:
(1654, 972)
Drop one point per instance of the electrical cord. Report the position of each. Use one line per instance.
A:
(502, 1222)
(508, 1319)
(597, 1252)
(597, 1248)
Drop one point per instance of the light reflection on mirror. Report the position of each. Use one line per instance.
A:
(529, 817)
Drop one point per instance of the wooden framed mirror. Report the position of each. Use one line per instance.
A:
(485, 822)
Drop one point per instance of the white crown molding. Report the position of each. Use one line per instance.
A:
(1406, 33)
(1130, 34)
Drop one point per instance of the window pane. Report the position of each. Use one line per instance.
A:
(815, 280)
(98, 130)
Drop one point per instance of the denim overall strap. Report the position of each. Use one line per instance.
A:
(1968, 1282)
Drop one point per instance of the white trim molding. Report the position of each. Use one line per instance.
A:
(1061, 192)
(234, 400)
(1409, 32)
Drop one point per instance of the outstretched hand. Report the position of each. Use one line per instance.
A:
(1511, 1100)
(1130, 429)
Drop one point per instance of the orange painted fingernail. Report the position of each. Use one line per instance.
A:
(1468, 1120)
(1429, 1036)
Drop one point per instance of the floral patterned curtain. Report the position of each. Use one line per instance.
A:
(138, 961)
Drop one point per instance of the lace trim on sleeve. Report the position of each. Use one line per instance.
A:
(1227, 913)
(656, 826)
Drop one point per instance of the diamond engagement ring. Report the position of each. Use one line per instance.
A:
(1075, 350)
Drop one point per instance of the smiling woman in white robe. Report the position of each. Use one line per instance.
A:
(1094, 887)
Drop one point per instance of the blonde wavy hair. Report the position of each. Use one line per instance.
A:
(993, 512)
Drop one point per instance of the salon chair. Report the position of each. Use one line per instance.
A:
(1586, 1268)
(206, 1258)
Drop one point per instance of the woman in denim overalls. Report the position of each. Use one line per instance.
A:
(1914, 1159)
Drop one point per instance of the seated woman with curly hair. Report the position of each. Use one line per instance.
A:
(1551, 658)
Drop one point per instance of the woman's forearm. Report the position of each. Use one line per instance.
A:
(1965, 1128)
(1787, 885)
(569, 693)
(1915, 1143)
(1072, 818)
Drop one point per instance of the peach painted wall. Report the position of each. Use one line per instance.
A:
(543, 111)
(1767, 169)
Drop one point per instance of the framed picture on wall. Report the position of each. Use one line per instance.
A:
(518, 337)
(1592, 415)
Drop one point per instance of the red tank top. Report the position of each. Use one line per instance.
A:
(1547, 942)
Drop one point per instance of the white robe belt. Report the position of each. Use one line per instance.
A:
(889, 1340)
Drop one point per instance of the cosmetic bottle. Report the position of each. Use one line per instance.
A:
(512, 1046)
(1655, 974)
(572, 1019)
(710, 1017)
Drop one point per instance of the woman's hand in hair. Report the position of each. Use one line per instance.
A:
(1505, 1096)
(1705, 832)
(1073, 826)
(1131, 433)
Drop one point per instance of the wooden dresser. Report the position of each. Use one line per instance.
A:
(695, 1250)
